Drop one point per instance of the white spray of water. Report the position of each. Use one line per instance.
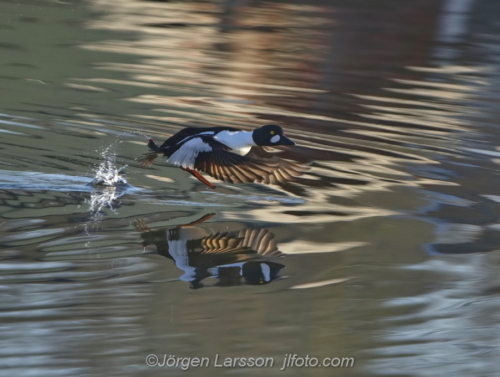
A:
(107, 174)
(108, 185)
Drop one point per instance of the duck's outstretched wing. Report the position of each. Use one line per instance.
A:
(261, 241)
(219, 243)
(281, 170)
(256, 166)
(247, 244)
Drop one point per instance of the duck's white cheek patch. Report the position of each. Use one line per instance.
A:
(275, 139)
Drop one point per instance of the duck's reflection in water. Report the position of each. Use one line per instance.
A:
(233, 258)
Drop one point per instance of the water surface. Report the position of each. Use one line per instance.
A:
(388, 246)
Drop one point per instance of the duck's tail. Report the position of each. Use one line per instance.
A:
(147, 158)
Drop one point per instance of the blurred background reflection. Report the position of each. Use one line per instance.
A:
(390, 240)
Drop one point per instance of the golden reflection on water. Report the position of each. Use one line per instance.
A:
(402, 177)
(212, 77)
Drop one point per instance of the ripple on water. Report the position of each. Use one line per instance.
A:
(403, 132)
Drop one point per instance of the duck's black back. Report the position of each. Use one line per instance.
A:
(191, 131)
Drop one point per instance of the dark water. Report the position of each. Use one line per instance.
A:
(390, 241)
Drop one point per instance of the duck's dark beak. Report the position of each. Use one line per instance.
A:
(285, 141)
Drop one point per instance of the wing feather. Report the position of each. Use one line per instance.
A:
(249, 241)
(221, 243)
(257, 166)
(260, 241)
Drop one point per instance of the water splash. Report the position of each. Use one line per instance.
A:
(107, 174)
(104, 198)
(134, 134)
(108, 186)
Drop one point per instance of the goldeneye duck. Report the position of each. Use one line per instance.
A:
(228, 154)
(234, 258)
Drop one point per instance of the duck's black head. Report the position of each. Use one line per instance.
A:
(270, 135)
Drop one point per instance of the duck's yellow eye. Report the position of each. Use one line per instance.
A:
(272, 132)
